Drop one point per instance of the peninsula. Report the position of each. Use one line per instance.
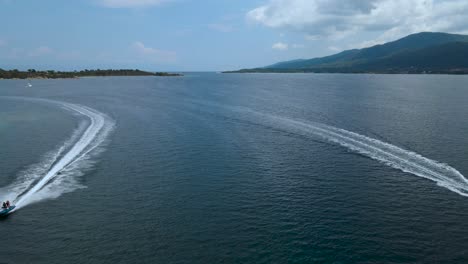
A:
(425, 52)
(34, 74)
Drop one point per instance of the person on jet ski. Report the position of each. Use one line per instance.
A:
(8, 204)
(4, 205)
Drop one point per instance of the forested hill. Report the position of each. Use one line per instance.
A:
(31, 73)
(425, 52)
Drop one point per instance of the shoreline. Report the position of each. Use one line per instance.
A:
(51, 74)
(82, 77)
(325, 72)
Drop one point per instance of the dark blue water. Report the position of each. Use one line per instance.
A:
(212, 168)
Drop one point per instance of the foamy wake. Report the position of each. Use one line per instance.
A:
(59, 170)
(391, 155)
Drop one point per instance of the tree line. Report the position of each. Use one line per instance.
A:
(50, 74)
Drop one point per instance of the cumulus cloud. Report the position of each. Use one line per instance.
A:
(152, 54)
(341, 18)
(280, 46)
(130, 3)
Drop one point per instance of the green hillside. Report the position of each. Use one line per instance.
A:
(417, 53)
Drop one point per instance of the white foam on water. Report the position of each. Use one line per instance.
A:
(27, 177)
(391, 155)
(58, 171)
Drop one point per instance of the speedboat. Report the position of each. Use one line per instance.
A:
(5, 211)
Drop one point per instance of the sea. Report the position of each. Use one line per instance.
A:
(235, 168)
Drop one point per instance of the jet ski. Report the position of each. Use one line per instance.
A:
(5, 211)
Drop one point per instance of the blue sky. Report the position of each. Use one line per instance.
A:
(206, 35)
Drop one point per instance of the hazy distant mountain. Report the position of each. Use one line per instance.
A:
(422, 52)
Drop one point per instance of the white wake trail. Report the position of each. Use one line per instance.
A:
(77, 149)
(27, 177)
(391, 155)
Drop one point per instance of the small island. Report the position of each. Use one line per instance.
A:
(50, 74)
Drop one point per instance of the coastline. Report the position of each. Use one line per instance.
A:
(389, 72)
(51, 74)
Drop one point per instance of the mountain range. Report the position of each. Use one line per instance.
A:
(426, 52)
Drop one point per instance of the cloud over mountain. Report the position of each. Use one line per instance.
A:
(339, 18)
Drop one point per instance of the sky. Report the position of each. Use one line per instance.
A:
(206, 35)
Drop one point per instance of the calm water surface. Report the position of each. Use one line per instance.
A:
(212, 168)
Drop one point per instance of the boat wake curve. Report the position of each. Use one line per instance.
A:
(57, 172)
(391, 155)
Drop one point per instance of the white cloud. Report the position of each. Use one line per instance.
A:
(152, 54)
(130, 3)
(280, 46)
(221, 27)
(337, 19)
(335, 49)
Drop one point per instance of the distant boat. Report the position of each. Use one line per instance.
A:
(29, 85)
